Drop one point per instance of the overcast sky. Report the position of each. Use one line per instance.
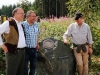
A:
(8, 2)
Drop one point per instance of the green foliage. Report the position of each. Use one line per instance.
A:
(96, 38)
(25, 5)
(2, 62)
(7, 10)
(89, 8)
(54, 29)
(45, 8)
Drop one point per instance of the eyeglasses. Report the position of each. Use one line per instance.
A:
(21, 13)
(34, 16)
(31, 16)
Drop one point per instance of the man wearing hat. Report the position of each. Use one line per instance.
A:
(80, 34)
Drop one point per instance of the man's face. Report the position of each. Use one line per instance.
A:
(32, 17)
(19, 14)
(79, 21)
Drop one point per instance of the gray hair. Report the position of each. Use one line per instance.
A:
(29, 13)
(15, 10)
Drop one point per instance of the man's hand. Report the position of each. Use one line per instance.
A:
(66, 41)
(90, 50)
(10, 19)
(37, 47)
(4, 48)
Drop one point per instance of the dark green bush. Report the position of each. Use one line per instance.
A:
(2, 62)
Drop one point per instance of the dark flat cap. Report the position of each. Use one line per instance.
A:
(78, 15)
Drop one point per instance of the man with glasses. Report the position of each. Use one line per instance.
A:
(31, 29)
(14, 46)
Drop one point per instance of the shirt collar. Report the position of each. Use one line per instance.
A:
(29, 24)
(17, 21)
(78, 25)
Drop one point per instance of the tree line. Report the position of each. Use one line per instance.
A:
(51, 7)
(58, 8)
(7, 10)
(43, 8)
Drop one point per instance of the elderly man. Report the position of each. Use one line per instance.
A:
(82, 42)
(32, 31)
(14, 43)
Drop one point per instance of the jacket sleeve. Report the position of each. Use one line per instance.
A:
(67, 34)
(4, 28)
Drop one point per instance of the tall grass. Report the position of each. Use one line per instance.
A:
(54, 28)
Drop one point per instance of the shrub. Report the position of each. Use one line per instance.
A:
(96, 38)
(54, 29)
(2, 62)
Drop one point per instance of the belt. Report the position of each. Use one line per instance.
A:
(29, 48)
(80, 46)
(75, 45)
(21, 48)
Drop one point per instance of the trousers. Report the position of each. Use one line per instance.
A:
(30, 57)
(81, 61)
(15, 63)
